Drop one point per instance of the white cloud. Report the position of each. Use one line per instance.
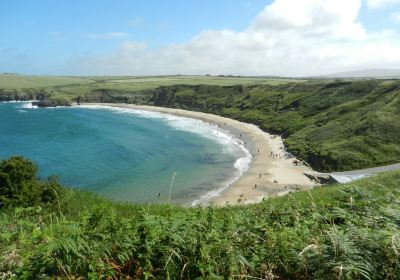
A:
(312, 17)
(375, 4)
(289, 38)
(107, 35)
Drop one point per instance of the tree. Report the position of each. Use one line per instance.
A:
(19, 169)
(20, 186)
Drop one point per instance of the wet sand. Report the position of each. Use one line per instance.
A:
(267, 176)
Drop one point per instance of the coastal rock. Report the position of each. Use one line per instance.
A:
(51, 103)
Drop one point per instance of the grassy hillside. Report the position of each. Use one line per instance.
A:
(127, 88)
(17, 87)
(340, 232)
(68, 88)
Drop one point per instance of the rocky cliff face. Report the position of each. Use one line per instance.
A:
(22, 95)
(51, 103)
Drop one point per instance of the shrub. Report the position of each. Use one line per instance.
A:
(20, 186)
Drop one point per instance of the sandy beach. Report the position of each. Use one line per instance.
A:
(271, 173)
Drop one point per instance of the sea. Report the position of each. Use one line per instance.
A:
(125, 154)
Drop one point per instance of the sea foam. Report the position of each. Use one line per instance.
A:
(28, 105)
(25, 104)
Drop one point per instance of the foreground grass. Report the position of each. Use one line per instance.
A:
(335, 232)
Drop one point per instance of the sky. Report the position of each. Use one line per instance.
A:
(229, 37)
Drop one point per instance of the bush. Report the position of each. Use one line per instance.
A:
(20, 186)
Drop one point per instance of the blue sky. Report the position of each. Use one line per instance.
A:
(66, 37)
(49, 32)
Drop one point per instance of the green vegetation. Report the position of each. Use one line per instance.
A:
(340, 232)
(19, 185)
(70, 87)
(29, 87)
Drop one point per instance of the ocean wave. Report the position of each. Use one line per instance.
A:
(25, 104)
(17, 101)
(242, 165)
(229, 143)
(208, 130)
(28, 105)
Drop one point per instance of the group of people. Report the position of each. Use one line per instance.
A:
(275, 155)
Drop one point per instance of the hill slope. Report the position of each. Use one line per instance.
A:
(340, 232)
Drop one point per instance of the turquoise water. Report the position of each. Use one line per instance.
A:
(124, 155)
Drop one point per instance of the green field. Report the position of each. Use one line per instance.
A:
(337, 232)
(149, 82)
(23, 82)
(68, 88)
(129, 86)
(11, 81)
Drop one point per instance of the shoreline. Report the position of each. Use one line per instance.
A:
(266, 176)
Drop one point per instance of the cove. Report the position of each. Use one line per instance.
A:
(122, 154)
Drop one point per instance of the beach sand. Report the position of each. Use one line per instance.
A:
(266, 177)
